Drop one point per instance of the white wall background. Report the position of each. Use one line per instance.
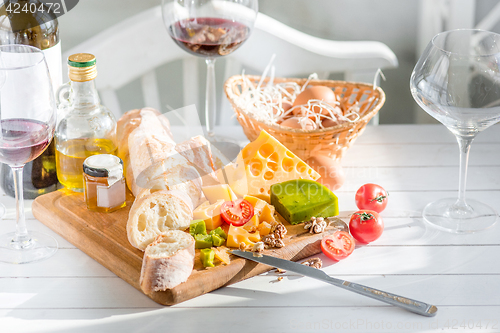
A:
(393, 22)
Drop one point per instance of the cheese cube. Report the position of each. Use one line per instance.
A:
(258, 204)
(268, 162)
(252, 225)
(261, 208)
(210, 213)
(214, 193)
(264, 228)
(237, 235)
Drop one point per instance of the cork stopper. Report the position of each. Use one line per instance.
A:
(82, 67)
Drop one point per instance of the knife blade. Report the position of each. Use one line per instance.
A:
(408, 304)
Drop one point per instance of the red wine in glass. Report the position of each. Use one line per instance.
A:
(22, 140)
(209, 37)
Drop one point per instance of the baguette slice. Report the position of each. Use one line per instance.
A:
(167, 262)
(154, 213)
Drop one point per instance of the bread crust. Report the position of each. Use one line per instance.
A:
(162, 269)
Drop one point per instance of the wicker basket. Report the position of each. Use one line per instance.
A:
(331, 141)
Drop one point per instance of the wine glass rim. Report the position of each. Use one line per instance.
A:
(35, 49)
(447, 32)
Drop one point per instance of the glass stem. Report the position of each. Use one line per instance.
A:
(210, 103)
(464, 144)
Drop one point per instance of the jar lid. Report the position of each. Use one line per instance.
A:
(103, 165)
(82, 67)
(81, 60)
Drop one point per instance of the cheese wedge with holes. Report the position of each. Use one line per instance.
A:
(237, 235)
(268, 162)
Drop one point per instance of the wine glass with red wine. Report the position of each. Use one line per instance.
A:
(209, 29)
(27, 122)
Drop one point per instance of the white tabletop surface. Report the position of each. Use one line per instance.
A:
(70, 292)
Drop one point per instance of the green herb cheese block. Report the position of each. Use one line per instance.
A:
(298, 200)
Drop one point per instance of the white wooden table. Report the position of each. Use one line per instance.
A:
(70, 292)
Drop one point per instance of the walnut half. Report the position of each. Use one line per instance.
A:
(313, 262)
(316, 225)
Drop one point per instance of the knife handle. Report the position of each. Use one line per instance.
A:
(409, 304)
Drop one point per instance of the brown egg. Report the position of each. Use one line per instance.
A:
(322, 93)
(286, 105)
(329, 123)
(315, 92)
(332, 174)
(302, 122)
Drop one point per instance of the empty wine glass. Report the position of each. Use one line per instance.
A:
(27, 122)
(457, 81)
(209, 29)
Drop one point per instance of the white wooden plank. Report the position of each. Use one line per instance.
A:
(65, 263)
(31, 293)
(403, 204)
(401, 234)
(246, 319)
(430, 134)
(262, 291)
(10, 207)
(402, 155)
(7, 226)
(421, 178)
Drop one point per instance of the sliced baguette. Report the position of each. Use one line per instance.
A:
(153, 213)
(167, 262)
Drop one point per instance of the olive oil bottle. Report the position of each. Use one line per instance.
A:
(88, 128)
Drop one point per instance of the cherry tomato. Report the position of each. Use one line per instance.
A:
(366, 226)
(236, 212)
(371, 197)
(338, 246)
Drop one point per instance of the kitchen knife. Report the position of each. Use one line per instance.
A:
(412, 305)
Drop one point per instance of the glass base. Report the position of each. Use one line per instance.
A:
(445, 215)
(37, 246)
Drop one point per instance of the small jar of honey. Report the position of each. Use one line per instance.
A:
(104, 184)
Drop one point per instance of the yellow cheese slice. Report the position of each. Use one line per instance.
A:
(213, 193)
(237, 235)
(268, 162)
(222, 254)
(210, 213)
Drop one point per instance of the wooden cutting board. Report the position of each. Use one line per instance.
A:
(104, 238)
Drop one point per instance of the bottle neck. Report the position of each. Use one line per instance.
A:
(84, 94)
